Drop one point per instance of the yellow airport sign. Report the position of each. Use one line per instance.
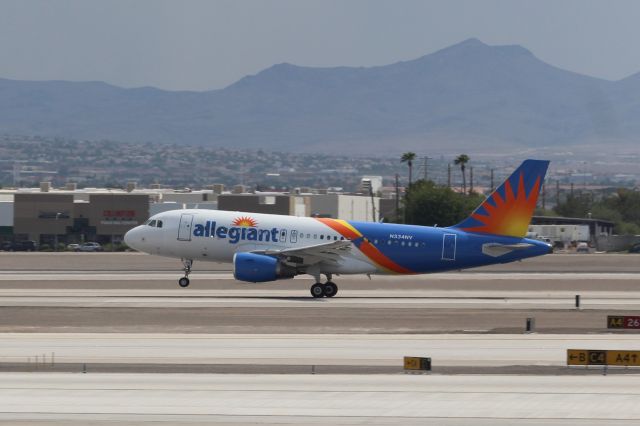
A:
(615, 321)
(624, 358)
(602, 357)
(417, 363)
(586, 357)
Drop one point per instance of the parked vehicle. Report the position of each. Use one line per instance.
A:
(28, 245)
(73, 247)
(90, 247)
(635, 248)
(582, 248)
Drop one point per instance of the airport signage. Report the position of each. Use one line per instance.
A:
(417, 363)
(624, 358)
(623, 321)
(603, 357)
(586, 357)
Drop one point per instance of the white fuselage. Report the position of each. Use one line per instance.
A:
(214, 235)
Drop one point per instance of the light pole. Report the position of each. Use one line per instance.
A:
(426, 158)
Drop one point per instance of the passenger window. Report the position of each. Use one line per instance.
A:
(342, 238)
(335, 238)
(322, 237)
(159, 224)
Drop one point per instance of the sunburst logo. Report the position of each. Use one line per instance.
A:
(245, 221)
(508, 214)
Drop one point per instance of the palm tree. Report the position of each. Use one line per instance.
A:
(462, 160)
(408, 158)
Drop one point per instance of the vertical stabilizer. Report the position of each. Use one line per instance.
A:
(508, 210)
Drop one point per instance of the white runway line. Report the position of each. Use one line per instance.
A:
(310, 399)
(315, 349)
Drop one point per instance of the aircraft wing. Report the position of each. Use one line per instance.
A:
(309, 255)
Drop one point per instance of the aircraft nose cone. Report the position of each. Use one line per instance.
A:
(132, 238)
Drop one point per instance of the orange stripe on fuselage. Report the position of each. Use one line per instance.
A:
(345, 229)
(342, 227)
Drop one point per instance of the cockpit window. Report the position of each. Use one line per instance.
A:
(159, 224)
(152, 223)
(147, 222)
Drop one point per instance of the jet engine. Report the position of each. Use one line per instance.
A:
(258, 268)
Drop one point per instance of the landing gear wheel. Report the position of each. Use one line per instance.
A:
(330, 289)
(187, 264)
(317, 290)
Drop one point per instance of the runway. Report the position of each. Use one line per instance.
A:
(123, 314)
(59, 300)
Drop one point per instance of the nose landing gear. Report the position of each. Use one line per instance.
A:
(187, 264)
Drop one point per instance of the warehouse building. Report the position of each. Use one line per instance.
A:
(48, 217)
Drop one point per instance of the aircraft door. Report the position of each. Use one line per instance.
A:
(449, 247)
(184, 229)
(293, 236)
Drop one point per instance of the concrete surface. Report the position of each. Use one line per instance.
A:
(124, 313)
(306, 349)
(319, 399)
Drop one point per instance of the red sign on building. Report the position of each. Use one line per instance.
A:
(118, 213)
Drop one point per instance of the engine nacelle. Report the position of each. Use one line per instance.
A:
(258, 268)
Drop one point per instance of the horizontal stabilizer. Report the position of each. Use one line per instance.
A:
(497, 249)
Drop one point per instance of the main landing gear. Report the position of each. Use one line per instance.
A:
(328, 289)
(187, 264)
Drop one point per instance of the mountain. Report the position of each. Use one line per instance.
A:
(468, 96)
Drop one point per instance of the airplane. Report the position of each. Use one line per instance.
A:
(266, 247)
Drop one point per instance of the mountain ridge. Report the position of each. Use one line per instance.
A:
(468, 95)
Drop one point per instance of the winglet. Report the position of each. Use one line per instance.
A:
(508, 210)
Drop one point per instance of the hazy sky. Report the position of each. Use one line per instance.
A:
(199, 45)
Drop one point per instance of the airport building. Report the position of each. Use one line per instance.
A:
(570, 229)
(343, 206)
(59, 217)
